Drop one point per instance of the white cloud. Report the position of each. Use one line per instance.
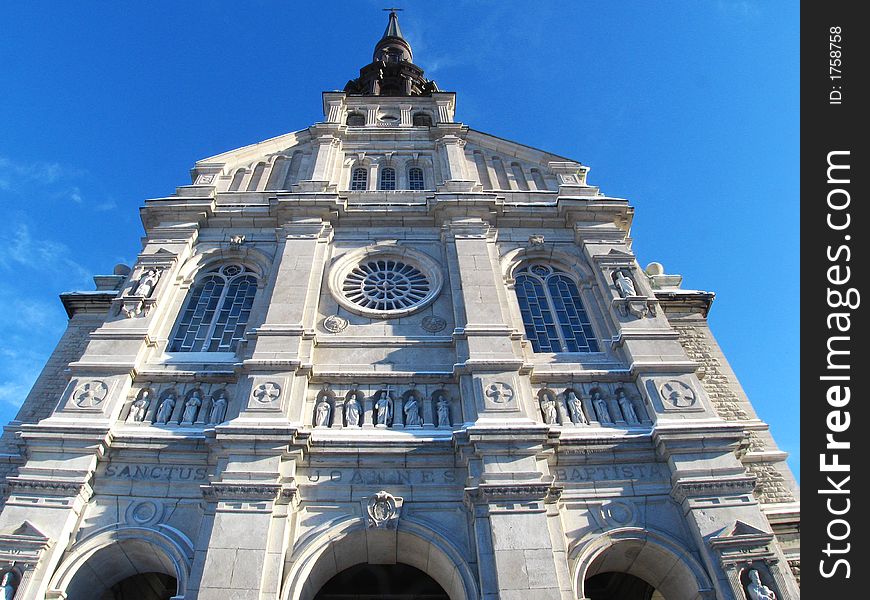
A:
(21, 249)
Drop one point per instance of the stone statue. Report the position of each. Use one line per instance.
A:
(9, 586)
(412, 412)
(548, 407)
(191, 407)
(146, 284)
(575, 407)
(352, 411)
(218, 410)
(139, 408)
(322, 412)
(442, 408)
(384, 408)
(624, 284)
(756, 590)
(164, 413)
(627, 408)
(601, 408)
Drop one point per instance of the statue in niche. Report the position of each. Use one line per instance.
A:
(352, 411)
(600, 405)
(756, 590)
(624, 283)
(9, 585)
(412, 412)
(139, 408)
(321, 413)
(442, 409)
(146, 284)
(218, 409)
(575, 407)
(627, 408)
(191, 407)
(384, 408)
(548, 408)
(164, 412)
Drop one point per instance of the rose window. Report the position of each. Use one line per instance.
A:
(386, 285)
(385, 282)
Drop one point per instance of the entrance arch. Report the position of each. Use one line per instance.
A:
(120, 560)
(668, 569)
(336, 548)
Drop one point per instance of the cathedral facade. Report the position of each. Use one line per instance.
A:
(390, 356)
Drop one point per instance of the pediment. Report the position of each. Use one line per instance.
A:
(741, 529)
(27, 529)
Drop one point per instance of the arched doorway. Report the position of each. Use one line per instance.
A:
(381, 582)
(637, 564)
(342, 551)
(124, 563)
(128, 569)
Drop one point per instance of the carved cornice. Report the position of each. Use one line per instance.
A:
(49, 487)
(726, 486)
(252, 491)
(486, 493)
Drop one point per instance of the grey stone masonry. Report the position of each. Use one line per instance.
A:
(387, 343)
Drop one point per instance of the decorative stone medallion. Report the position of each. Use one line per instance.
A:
(618, 513)
(678, 394)
(143, 513)
(267, 393)
(334, 324)
(434, 324)
(90, 394)
(383, 510)
(499, 392)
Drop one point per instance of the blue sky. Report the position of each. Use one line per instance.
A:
(688, 109)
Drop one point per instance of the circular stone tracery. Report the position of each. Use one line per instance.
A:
(385, 281)
(386, 285)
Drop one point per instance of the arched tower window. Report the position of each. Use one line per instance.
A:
(553, 313)
(356, 119)
(388, 178)
(415, 179)
(216, 312)
(359, 179)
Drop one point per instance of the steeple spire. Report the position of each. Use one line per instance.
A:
(392, 71)
(393, 25)
(393, 47)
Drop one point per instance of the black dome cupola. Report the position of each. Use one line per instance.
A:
(392, 71)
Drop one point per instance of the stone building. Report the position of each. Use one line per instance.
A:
(389, 355)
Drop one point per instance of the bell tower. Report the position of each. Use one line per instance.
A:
(392, 71)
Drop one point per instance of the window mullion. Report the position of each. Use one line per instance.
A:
(552, 306)
(216, 316)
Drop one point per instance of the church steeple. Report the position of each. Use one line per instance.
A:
(393, 47)
(392, 71)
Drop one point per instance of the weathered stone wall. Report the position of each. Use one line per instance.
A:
(694, 337)
(771, 486)
(46, 391)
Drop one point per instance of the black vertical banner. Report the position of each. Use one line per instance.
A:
(835, 225)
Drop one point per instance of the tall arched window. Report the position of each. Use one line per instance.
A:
(388, 178)
(415, 179)
(359, 179)
(216, 312)
(553, 314)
